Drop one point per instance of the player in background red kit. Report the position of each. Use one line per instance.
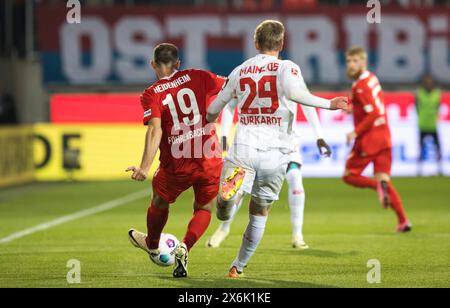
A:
(190, 154)
(372, 137)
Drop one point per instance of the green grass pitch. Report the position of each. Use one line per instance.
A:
(345, 227)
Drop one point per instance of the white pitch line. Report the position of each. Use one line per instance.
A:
(84, 213)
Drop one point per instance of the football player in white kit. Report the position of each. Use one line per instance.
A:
(294, 178)
(266, 89)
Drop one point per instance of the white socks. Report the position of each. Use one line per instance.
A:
(251, 240)
(296, 201)
(226, 225)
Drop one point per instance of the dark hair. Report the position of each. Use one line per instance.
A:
(165, 54)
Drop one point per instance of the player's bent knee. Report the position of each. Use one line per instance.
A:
(348, 177)
(260, 207)
(262, 202)
(159, 202)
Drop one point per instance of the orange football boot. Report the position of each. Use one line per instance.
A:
(234, 273)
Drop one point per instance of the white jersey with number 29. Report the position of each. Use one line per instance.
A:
(267, 90)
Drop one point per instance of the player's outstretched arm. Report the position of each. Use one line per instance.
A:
(313, 120)
(324, 148)
(152, 142)
(339, 103)
(304, 97)
(295, 88)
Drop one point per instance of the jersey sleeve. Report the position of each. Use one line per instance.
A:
(227, 120)
(214, 83)
(295, 88)
(150, 106)
(313, 120)
(291, 75)
(363, 95)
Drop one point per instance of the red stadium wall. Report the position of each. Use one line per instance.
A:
(125, 108)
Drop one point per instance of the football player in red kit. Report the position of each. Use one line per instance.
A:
(190, 155)
(372, 137)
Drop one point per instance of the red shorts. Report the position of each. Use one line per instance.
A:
(357, 162)
(169, 186)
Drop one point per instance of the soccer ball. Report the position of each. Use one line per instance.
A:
(167, 246)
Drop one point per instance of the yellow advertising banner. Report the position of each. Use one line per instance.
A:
(16, 155)
(87, 152)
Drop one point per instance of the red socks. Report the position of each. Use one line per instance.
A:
(397, 204)
(360, 181)
(156, 220)
(197, 227)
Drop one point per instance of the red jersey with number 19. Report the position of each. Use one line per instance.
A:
(181, 100)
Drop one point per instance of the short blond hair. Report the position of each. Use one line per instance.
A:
(269, 35)
(357, 51)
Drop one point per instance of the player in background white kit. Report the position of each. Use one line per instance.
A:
(294, 178)
(266, 89)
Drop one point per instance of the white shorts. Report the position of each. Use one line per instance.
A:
(265, 170)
